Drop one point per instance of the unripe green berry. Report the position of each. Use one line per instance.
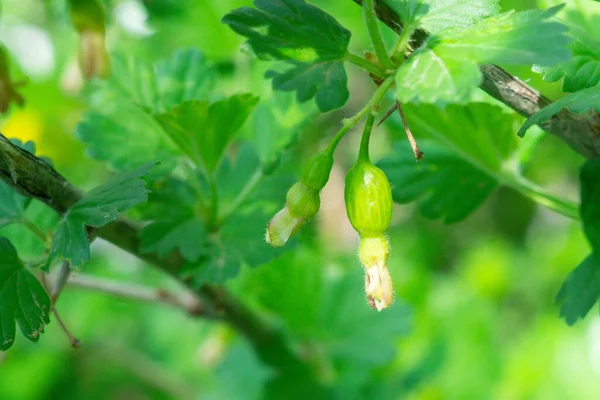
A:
(302, 201)
(368, 198)
(317, 169)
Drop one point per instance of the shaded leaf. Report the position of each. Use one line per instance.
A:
(323, 307)
(120, 129)
(325, 81)
(445, 185)
(97, 209)
(162, 238)
(590, 201)
(126, 138)
(580, 291)
(22, 299)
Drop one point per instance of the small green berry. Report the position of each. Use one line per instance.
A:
(317, 170)
(368, 199)
(369, 203)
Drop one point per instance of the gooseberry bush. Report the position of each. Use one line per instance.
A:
(201, 197)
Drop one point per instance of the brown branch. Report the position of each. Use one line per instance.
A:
(188, 302)
(33, 177)
(580, 131)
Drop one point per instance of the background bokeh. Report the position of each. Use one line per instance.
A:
(474, 316)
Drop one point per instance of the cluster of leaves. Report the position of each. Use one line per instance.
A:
(470, 150)
(22, 296)
(444, 70)
(204, 201)
(580, 75)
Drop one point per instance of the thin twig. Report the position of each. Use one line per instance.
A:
(75, 343)
(190, 303)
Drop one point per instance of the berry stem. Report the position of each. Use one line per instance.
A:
(349, 123)
(372, 22)
(363, 153)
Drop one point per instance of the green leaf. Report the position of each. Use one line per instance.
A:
(97, 209)
(157, 87)
(241, 375)
(582, 70)
(436, 15)
(577, 102)
(324, 309)
(126, 138)
(29, 246)
(22, 299)
(120, 129)
(240, 242)
(580, 291)
(445, 186)
(326, 81)
(481, 134)
(276, 124)
(203, 131)
(172, 206)
(447, 69)
(590, 200)
(303, 35)
(187, 235)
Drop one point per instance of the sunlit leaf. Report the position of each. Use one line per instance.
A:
(436, 15)
(204, 130)
(447, 68)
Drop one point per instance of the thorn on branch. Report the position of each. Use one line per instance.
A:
(413, 143)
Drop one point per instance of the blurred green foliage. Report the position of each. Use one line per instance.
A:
(474, 316)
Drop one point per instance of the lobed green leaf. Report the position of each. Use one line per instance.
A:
(22, 299)
(120, 128)
(446, 69)
(582, 70)
(98, 208)
(580, 291)
(437, 15)
(312, 41)
(204, 130)
(444, 184)
(466, 148)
